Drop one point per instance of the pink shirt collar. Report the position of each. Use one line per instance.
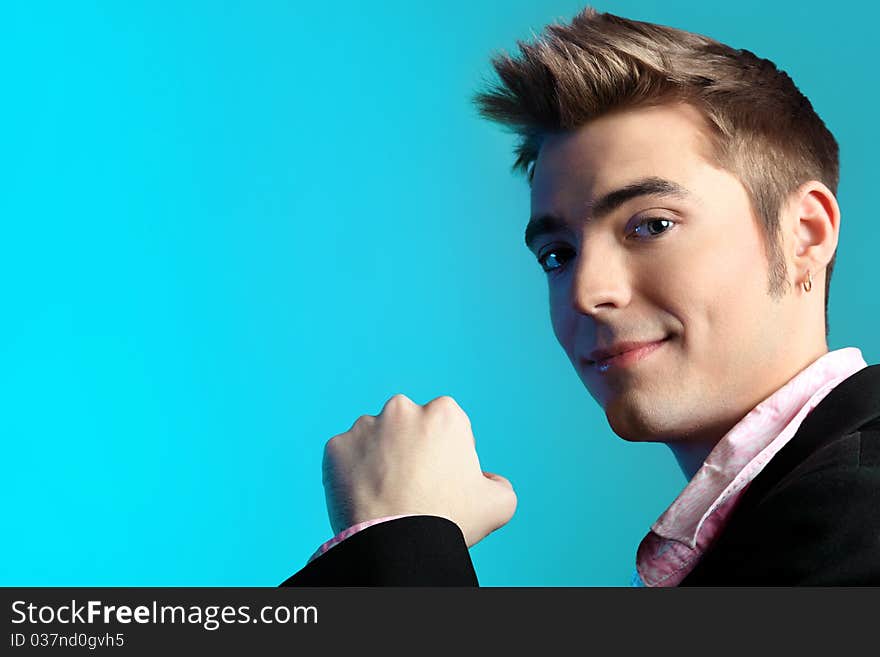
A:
(686, 529)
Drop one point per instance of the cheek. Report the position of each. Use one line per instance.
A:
(722, 286)
(564, 321)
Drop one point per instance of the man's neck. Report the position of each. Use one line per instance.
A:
(691, 454)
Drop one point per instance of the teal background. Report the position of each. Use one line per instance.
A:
(231, 228)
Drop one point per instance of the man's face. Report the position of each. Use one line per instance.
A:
(689, 267)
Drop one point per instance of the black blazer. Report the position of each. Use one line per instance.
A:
(810, 517)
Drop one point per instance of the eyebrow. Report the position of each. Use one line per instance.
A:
(652, 186)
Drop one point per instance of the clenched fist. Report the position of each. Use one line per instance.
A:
(414, 459)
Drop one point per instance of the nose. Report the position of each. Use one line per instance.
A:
(600, 282)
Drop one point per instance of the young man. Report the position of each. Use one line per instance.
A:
(683, 207)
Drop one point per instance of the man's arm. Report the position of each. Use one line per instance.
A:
(417, 461)
(348, 532)
(410, 551)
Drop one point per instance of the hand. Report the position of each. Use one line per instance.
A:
(414, 459)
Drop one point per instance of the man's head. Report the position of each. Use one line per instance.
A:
(738, 178)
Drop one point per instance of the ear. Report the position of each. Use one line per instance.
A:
(814, 224)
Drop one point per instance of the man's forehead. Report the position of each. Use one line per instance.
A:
(575, 169)
(623, 145)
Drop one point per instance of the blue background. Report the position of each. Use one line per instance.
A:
(231, 228)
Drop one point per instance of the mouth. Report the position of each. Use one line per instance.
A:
(626, 358)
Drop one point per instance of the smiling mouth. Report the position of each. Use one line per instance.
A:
(626, 358)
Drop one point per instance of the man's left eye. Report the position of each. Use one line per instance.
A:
(656, 223)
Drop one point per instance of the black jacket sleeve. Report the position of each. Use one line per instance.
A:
(409, 551)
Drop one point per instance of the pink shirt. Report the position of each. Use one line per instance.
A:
(696, 517)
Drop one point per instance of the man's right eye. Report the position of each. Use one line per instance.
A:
(554, 259)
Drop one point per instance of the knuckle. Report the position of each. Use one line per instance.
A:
(397, 402)
(361, 423)
(447, 406)
(445, 403)
(337, 443)
(332, 445)
(446, 400)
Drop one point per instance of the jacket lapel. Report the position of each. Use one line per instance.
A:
(852, 403)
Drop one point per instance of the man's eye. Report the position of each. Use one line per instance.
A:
(655, 223)
(553, 259)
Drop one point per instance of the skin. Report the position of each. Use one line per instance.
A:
(701, 278)
(414, 459)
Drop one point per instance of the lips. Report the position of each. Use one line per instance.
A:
(598, 355)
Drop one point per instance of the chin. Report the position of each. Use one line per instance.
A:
(635, 426)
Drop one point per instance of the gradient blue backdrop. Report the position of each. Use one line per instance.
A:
(230, 229)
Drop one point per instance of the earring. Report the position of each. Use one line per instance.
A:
(808, 283)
